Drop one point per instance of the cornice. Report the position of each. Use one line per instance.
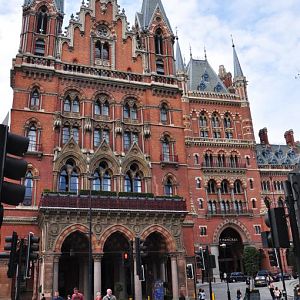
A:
(20, 220)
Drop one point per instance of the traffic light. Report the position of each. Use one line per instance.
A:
(273, 257)
(32, 252)
(266, 238)
(11, 167)
(11, 243)
(126, 258)
(189, 271)
(200, 262)
(276, 220)
(140, 248)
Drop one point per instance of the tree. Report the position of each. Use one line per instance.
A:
(251, 260)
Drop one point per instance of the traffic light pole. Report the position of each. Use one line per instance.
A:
(277, 250)
(195, 277)
(19, 270)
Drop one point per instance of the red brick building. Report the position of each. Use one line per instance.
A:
(167, 151)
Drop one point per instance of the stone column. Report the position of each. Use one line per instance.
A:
(137, 283)
(215, 251)
(55, 272)
(97, 273)
(163, 270)
(174, 277)
(48, 276)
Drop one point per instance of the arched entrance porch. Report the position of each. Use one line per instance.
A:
(230, 251)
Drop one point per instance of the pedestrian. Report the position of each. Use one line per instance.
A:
(109, 295)
(201, 294)
(98, 296)
(76, 295)
(238, 294)
(225, 276)
(271, 289)
(56, 296)
(222, 276)
(43, 297)
(277, 293)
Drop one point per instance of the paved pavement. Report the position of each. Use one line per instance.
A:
(220, 289)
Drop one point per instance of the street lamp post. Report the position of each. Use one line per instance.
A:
(90, 277)
(223, 246)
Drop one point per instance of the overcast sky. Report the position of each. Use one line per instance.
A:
(266, 35)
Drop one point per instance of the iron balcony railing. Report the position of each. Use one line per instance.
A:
(229, 212)
(113, 202)
(218, 164)
(168, 158)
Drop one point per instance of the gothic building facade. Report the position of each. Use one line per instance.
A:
(158, 150)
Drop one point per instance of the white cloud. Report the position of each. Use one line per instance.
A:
(266, 35)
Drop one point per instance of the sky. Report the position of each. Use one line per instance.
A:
(266, 35)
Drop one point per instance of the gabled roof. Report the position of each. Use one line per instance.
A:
(58, 3)
(149, 7)
(202, 77)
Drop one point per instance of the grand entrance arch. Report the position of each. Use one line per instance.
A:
(231, 250)
(116, 266)
(73, 264)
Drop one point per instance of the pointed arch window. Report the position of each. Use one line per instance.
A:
(215, 121)
(211, 187)
(39, 47)
(227, 121)
(130, 111)
(66, 134)
(221, 160)
(102, 178)
(169, 190)
(208, 159)
(224, 187)
(102, 52)
(164, 114)
(75, 106)
(42, 21)
(203, 120)
(69, 177)
(166, 149)
(133, 180)
(196, 159)
(238, 189)
(129, 139)
(67, 104)
(198, 183)
(34, 99)
(32, 135)
(28, 183)
(75, 134)
(159, 42)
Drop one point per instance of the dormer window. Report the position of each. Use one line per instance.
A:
(205, 76)
(202, 86)
(218, 88)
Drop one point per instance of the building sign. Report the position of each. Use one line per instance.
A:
(158, 290)
(228, 240)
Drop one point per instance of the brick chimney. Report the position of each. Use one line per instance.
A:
(263, 135)
(289, 138)
(226, 77)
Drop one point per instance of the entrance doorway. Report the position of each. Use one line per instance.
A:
(231, 250)
(116, 266)
(73, 264)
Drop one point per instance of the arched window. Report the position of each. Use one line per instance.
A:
(42, 20)
(238, 189)
(227, 121)
(69, 178)
(105, 52)
(105, 108)
(222, 206)
(198, 183)
(253, 203)
(67, 104)
(200, 201)
(166, 149)
(98, 51)
(196, 159)
(133, 112)
(251, 184)
(39, 47)
(168, 187)
(101, 51)
(215, 120)
(75, 134)
(102, 178)
(133, 179)
(203, 120)
(32, 135)
(224, 187)
(129, 138)
(28, 183)
(126, 111)
(234, 161)
(164, 114)
(211, 187)
(97, 108)
(159, 42)
(221, 160)
(101, 107)
(208, 158)
(35, 99)
(75, 106)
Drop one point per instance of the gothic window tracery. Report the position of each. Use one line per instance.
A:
(69, 177)
(130, 110)
(169, 187)
(100, 135)
(101, 106)
(130, 138)
(42, 20)
(34, 99)
(133, 179)
(102, 178)
(71, 105)
(33, 136)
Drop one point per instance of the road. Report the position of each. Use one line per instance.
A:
(220, 289)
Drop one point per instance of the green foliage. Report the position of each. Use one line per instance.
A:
(140, 195)
(251, 260)
(98, 193)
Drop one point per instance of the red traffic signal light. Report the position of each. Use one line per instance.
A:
(11, 167)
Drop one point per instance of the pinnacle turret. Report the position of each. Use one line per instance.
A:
(236, 64)
(179, 61)
(58, 3)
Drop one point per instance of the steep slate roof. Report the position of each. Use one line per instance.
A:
(202, 77)
(149, 7)
(236, 64)
(58, 3)
(179, 61)
(277, 155)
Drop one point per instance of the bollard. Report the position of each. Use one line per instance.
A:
(213, 296)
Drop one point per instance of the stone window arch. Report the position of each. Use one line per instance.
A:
(227, 121)
(133, 179)
(69, 177)
(168, 149)
(238, 187)
(224, 187)
(211, 186)
(169, 186)
(42, 20)
(164, 113)
(203, 120)
(101, 106)
(33, 132)
(102, 178)
(71, 104)
(34, 102)
(130, 110)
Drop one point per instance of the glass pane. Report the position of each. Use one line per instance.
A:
(63, 182)
(96, 182)
(105, 111)
(126, 111)
(67, 105)
(76, 106)
(106, 182)
(134, 113)
(127, 141)
(105, 136)
(127, 184)
(97, 137)
(32, 139)
(76, 134)
(97, 108)
(74, 182)
(137, 184)
(65, 135)
(34, 101)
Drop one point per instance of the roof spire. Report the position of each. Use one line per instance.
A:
(236, 64)
(191, 54)
(179, 61)
(205, 56)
